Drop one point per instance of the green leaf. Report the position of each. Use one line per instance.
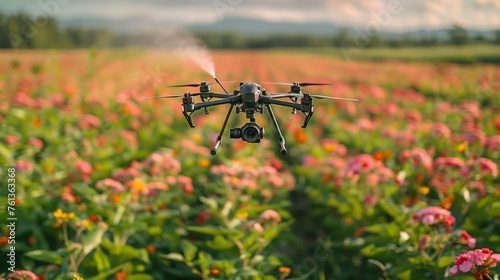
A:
(84, 190)
(227, 208)
(5, 155)
(107, 274)
(210, 230)
(210, 202)
(173, 257)
(219, 243)
(141, 276)
(205, 260)
(445, 261)
(102, 261)
(45, 256)
(93, 239)
(189, 250)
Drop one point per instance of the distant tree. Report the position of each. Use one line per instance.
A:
(343, 36)
(458, 35)
(496, 39)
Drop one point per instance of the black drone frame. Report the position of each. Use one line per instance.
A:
(251, 106)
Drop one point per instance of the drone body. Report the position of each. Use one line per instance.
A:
(250, 99)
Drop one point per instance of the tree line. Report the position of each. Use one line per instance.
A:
(20, 31)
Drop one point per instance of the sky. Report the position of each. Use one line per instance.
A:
(397, 15)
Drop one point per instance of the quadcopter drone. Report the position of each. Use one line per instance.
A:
(251, 98)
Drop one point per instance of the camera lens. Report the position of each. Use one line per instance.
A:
(250, 134)
(235, 132)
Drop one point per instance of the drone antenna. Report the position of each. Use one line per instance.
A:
(217, 80)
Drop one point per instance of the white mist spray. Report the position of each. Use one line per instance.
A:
(184, 43)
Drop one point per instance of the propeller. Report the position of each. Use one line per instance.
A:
(204, 94)
(300, 84)
(199, 84)
(311, 95)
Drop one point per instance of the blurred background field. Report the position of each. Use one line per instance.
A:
(112, 186)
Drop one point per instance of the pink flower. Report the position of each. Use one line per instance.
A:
(11, 139)
(467, 239)
(423, 242)
(84, 167)
(22, 165)
(89, 121)
(493, 143)
(109, 183)
(413, 116)
(418, 157)
(451, 162)
(22, 275)
(270, 216)
(433, 215)
(36, 143)
(360, 163)
(476, 262)
(441, 130)
(488, 167)
(255, 226)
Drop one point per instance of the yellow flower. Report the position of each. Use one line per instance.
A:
(204, 162)
(197, 138)
(242, 215)
(77, 277)
(86, 223)
(497, 192)
(58, 213)
(462, 147)
(329, 147)
(63, 217)
(423, 190)
(138, 184)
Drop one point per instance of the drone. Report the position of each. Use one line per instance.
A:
(250, 99)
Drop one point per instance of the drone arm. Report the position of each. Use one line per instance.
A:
(307, 109)
(275, 122)
(282, 103)
(219, 137)
(229, 100)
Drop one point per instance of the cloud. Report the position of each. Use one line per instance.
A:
(416, 14)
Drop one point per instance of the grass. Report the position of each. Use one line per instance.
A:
(456, 54)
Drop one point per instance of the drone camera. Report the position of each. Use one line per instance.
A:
(250, 132)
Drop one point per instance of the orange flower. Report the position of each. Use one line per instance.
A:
(300, 136)
(359, 231)
(125, 109)
(447, 202)
(378, 156)
(94, 218)
(151, 248)
(77, 199)
(284, 269)
(215, 271)
(115, 198)
(4, 240)
(17, 201)
(348, 220)
(50, 169)
(31, 240)
(122, 275)
(204, 162)
(36, 123)
(326, 178)
(388, 154)
(420, 177)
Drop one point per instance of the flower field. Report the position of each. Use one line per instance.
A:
(106, 185)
